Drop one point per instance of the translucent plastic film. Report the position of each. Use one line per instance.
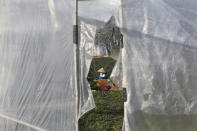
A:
(160, 65)
(86, 47)
(37, 90)
(100, 10)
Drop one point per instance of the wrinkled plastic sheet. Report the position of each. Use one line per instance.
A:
(37, 90)
(100, 10)
(86, 52)
(160, 65)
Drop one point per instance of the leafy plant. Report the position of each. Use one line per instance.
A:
(108, 114)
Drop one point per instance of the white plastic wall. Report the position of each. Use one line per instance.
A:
(160, 65)
(37, 90)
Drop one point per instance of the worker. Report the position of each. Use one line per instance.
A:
(103, 74)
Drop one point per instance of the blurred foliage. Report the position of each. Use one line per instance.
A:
(93, 85)
(108, 114)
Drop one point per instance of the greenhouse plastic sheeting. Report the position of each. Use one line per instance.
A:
(100, 10)
(86, 53)
(37, 84)
(37, 75)
(160, 65)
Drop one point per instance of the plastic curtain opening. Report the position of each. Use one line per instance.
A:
(92, 18)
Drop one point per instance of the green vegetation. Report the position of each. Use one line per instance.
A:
(108, 114)
(109, 111)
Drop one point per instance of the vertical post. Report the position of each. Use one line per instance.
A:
(75, 27)
(124, 70)
(76, 59)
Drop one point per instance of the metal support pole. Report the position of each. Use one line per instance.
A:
(76, 60)
(124, 69)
